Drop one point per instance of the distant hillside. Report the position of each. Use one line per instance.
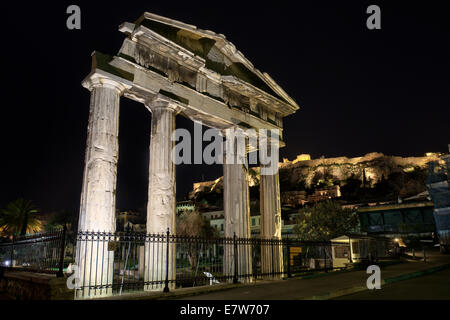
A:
(372, 176)
(376, 165)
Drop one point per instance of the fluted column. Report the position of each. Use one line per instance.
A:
(271, 248)
(236, 210)
(161, 194)
(98, 196)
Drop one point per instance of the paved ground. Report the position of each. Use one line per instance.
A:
(307, 288)
(435, 286)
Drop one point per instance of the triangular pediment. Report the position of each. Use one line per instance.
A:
(220, 55)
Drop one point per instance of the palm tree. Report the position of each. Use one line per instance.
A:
(19, 217)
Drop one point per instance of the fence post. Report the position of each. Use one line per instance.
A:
(12, 253)
(288, 258)
(166, 286)
(325, 257)
(424, 254)
(273, 258)
(60, 273)
(235, 277)
(254, 262)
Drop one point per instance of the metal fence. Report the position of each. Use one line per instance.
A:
(40, 252)
(113, 263)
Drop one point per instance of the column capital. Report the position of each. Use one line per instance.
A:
(161, 102)
(99, 80)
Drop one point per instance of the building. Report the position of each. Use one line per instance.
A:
(356, 248)
(293, 198)
(324, 194)
(438, 185)
(211, 215)
(398, 219)
(299, 197)
(131, 221)
(185, 206)
(300, 157)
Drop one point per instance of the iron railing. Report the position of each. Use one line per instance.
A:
(40, 252)
(114, 263)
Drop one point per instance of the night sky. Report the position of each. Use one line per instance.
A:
(359, 90)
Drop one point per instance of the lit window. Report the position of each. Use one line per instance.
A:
(341, 252)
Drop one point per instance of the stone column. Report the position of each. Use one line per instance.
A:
(271, 250)
(98, 196)
(236, 204)
(161, 204)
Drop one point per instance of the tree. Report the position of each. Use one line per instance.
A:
(324, 221)
(351, 188)
(193, 224)
(317, 178)
(58, 220)
(19, 217)
(208, 199)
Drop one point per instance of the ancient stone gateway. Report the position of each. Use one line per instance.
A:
(175, 68)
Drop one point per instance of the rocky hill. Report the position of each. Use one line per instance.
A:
(372, 167)
(373, 175)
